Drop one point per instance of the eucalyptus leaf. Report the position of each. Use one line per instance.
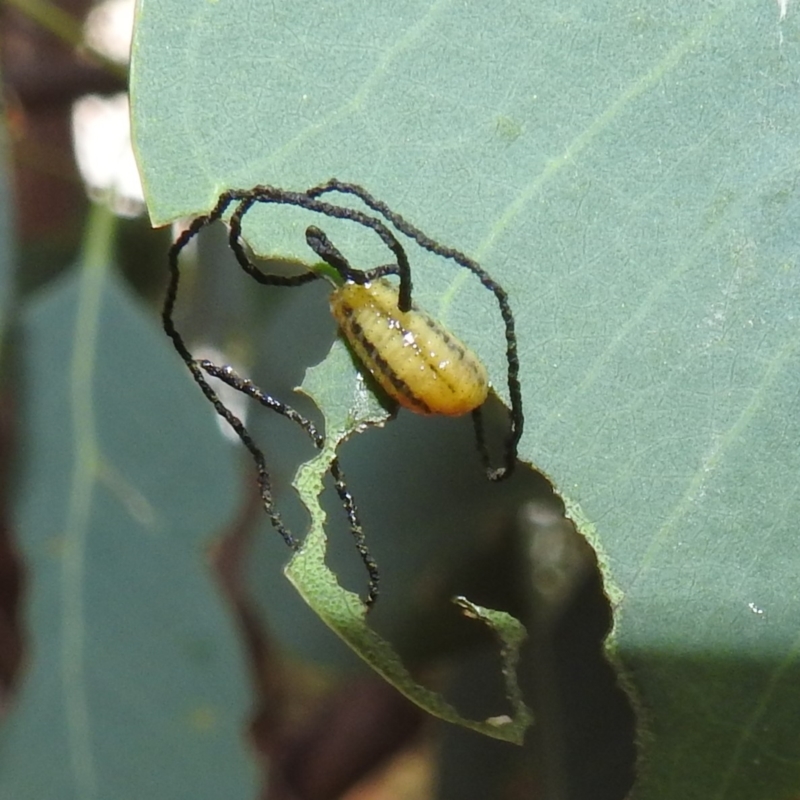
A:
(629, 174)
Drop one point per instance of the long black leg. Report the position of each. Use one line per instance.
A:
(245, 199)
(269, 194)
(228, 375)
(327, 251)
(264, 483)
(349, 503)
(246, 386)
(237, 246)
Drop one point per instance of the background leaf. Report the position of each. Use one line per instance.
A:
(6, 240)
(137, 686)
(629, 174)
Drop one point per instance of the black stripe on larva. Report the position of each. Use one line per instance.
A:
(453, 345)
(445, 336)
(356, 332)
(444, 376)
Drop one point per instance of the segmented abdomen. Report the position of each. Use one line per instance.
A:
(415, 360)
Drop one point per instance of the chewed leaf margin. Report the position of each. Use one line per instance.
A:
(349, 407)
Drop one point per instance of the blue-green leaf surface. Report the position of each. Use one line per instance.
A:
(629, 173)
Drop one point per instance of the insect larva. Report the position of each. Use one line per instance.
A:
(416, 361)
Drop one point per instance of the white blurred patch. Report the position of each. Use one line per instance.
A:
(236, 402)
(102, 139)
(109, 27)
(783, 10)
(759, 612)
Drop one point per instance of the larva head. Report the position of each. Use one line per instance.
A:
(416, 361)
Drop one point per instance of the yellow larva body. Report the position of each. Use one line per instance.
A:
(414, 359)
